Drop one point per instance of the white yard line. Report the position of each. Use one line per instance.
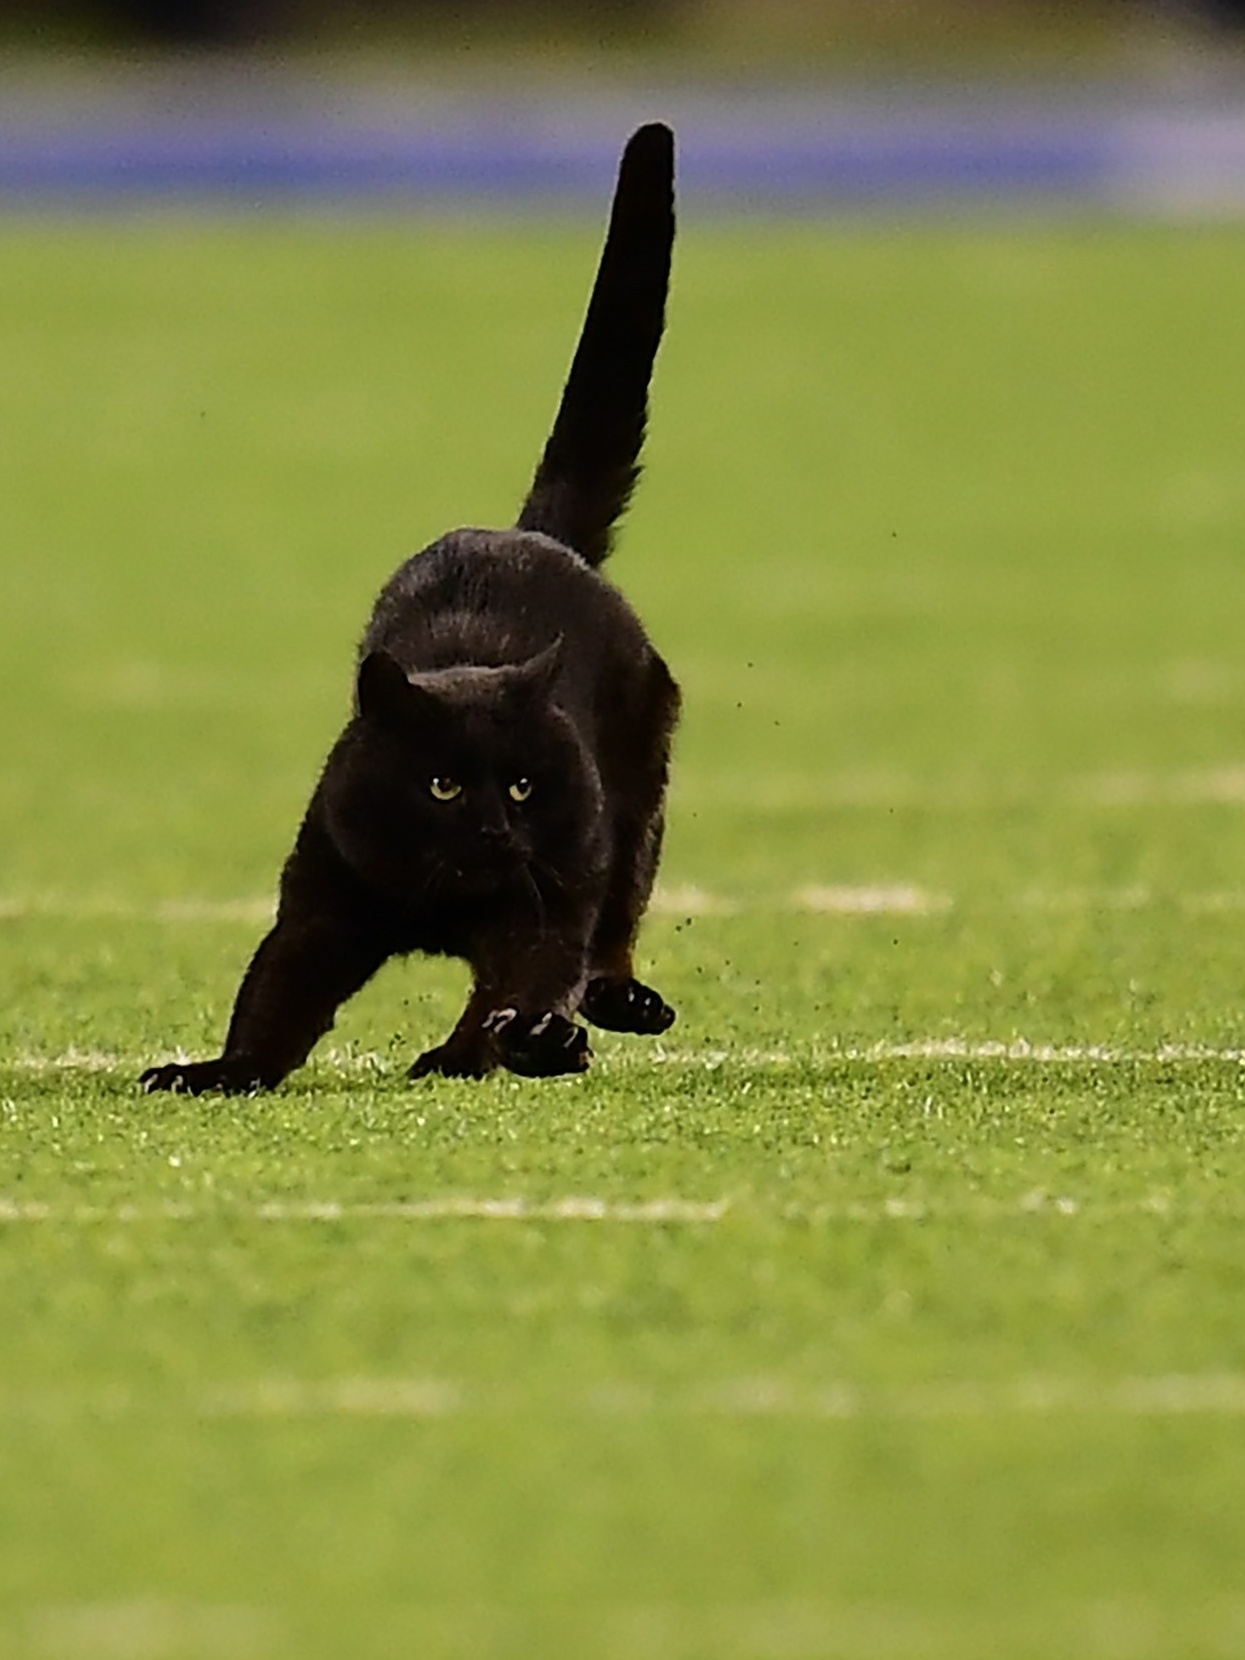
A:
(680, 900)
(576, 1208)
(1209, 785)
(836, 899)
(887, 1209)
(933, 1049)
(895, 899)
(148, 1628)
(688, 899)
(889, 791)
(1216, 1394)
(638, 1055)
(257, 908)
(1034, 1396)
(72, 1060)
(573, 1208)
(1164, 1395)
(795, 1627)
(1020, 1049)
(351, 1397)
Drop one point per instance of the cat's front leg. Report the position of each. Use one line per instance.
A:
(469, 1051)
(537, 987)
(492, 1033)
(543, 1045)
(303, 971)
(519, 1013)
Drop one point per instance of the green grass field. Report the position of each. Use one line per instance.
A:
(891, 1310)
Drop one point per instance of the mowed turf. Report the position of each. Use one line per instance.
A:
(892, 1305)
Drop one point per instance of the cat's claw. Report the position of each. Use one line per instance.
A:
(626, 1006)
(226, 1077)
(538, 1046)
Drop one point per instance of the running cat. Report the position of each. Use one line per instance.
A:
(498, 793)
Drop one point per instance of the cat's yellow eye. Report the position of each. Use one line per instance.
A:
(520, 789)
(445, 789)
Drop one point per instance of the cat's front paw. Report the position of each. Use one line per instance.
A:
(538, 1046)
(626, 1006)
(227, 1077)
(474, 1059)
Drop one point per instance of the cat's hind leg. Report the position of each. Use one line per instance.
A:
(625, 1004)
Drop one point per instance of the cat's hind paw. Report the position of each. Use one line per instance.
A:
(225, 1077)
(538, 1046)
(626, 1006)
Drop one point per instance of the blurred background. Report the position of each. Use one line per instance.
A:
(1133, 103)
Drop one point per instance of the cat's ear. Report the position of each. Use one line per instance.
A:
(384, 694)
(537, 675)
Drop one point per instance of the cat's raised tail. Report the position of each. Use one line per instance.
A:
(591, 462)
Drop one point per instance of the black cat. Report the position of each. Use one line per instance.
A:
(498, 794)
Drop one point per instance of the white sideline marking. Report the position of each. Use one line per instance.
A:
(898, 900)
(572, 1209)
(335, 1398)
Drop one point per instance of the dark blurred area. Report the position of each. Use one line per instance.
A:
(241, 22)
(232, 23)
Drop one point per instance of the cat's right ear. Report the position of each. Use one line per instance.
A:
(385, 696)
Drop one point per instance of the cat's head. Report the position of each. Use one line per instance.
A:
(461, 780)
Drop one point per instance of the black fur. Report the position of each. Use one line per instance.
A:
(498, 793)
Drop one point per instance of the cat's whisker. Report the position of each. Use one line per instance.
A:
(433, 882)
(548, 873)
(533, 889)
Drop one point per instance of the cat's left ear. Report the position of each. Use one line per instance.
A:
(538, 673)
(385, 696)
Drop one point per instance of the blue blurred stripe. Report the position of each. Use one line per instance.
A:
(759, 155)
